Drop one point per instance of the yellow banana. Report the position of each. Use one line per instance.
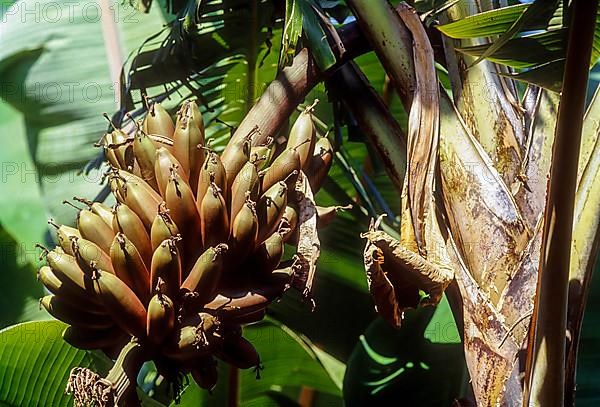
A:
(188, 140)
(182, 208)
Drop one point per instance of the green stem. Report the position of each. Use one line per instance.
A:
(374, 119)
(545, 374)
(391, 41)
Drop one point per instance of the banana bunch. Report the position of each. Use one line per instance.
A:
(190, 252)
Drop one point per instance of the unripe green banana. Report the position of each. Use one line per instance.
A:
(244, 232)
(89, 339)
(205, 373)
(161, 318)
(188, 140)
(270, 209)
(205, 274)
(73, 315)
(166, 265)
(129, 266)
(121, 303)
(238, 352)
(267, 255)
(164, 165)
(214, 218)
(127, 222)
(212, 171)
(289, 221)
(245, 181)
(89, 255)
(319, 164)
(63, 235)
(93, 228)
(145, 155)
(158, 121)
(303, 136)
(163, 227)
(286, 168)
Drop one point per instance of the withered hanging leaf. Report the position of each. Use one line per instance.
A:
(380, 286)
(309, 246)
(423, 126)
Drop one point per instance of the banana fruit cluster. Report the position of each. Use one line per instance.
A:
(190, 252)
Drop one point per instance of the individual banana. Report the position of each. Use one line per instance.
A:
(166, 265)
(286, 168)
(212, 171)
(214, 217)
(63, 235)
(270, 209)
(121, 303)
(127, 222)
(319, 164)
(161, 318)
(93, 228)
(235, 156)
(204, 277)
(139, 196)
(303, 136)
(145, 156)
(118, 149)
(289, 222)
(66, 269)
(187, 343)
(238, 352)
(244, 231)
(67, 290)
(158, 121)
(188, 140)
(261, 155)
(73, 315)
(129, 266)
(165, 164)
(89, 255)
(205, 373)
(244, 185)
(162, 228)
(267, 256)
(100, 209)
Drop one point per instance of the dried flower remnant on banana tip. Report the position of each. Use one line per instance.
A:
(399, 278)
(161, 272)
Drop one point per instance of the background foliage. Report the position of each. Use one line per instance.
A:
(56, 80)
